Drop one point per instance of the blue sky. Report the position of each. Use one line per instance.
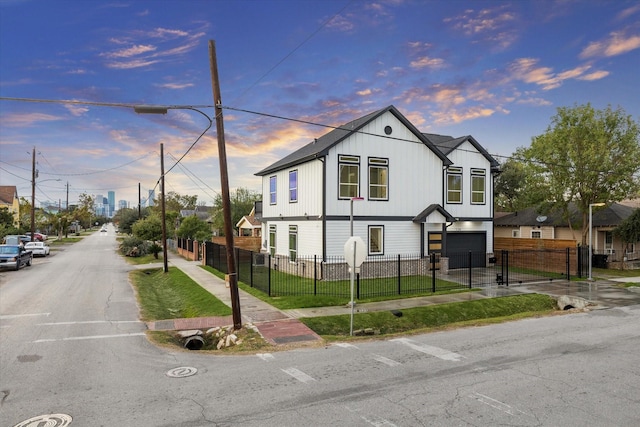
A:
(496, 70)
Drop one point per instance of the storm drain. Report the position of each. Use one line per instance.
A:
(51, 420)
(182, 372)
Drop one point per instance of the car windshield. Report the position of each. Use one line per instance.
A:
(8, 249)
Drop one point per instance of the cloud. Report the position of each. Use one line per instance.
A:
(76, 110)
(616, 44)
(625, 13)
(426, 62)
(491, 26)
(175, 85)
(596, 75)
(528, 71)
(460, 115)
(18, 120)
(130, 51)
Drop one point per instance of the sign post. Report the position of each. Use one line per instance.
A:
(355, 253)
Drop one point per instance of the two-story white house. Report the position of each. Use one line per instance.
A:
(402, 191)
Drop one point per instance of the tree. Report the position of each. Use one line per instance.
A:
(125, 218)
(629, 230)
(149, 228)
(194, 228)
(242, 201)
(84, 212)
(585, 156)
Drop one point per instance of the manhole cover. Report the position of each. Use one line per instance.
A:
(51, 420)
(181, 372)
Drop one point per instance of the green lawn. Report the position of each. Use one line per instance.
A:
(173, 295)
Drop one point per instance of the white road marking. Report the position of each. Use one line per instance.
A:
(299, 375)
(374, 420)
(438, 352)
(386, 360)
(496, 404)
(345, 345)
(92, 337)
(266, 356)
(15, 316)
(88, 322)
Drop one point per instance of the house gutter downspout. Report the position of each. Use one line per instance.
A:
(324, 208)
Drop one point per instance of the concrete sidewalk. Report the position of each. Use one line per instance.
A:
(284, 327)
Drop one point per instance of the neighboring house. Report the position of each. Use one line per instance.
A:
(529, 223)
(249, 226)
(422, 193)
(9, 199)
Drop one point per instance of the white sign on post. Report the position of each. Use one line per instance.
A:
(355, 253)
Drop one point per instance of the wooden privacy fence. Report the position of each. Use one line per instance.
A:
(540, 254)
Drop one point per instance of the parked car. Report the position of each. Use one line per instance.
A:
(14, 256)
(37, 236)
(16, 239)
(38, 248)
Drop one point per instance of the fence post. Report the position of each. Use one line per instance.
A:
(315, 275)
(399, 276)
(269, 275)
(505, 266)
(470, 264)
(568, 265)
(357, 285)
(433, 272)
(251, 269)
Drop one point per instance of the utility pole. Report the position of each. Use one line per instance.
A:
(164, 219)
(34, 174)
(139, 200)
(224, 183)
(66, 208)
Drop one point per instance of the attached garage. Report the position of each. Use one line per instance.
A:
(459, 244)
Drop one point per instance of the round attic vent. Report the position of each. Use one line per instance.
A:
(388, 130)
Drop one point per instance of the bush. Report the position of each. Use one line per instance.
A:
(155, 249)
(134, 246)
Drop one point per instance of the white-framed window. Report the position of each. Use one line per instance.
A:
(376, 240)
(515, 233)
(349, 176)
(378, 179)
(608, 242)
(273, 190)
(454, 184)
(293, 186)
(272, 240)
(293, 242)
(536, 234)
(478, 186)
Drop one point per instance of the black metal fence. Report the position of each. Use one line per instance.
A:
(392, 275)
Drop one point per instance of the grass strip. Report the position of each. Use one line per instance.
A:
(434, 316)
(173, 295)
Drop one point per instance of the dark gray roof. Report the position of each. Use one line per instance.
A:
(433, 208)
(609, 216)
(447, 144)
(319, 147)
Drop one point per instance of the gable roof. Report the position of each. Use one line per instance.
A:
(431, 209)
(447, 144)
(609, 216)
(8, 193)
(321, 146)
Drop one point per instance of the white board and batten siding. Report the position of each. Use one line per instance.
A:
(467, 157)
(414, 171)
(400, 237)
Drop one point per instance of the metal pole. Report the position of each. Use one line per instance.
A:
(164, 219)
(351, 220)
(590, 243)
(224, 183)
(353, 275)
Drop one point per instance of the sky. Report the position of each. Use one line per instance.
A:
(288, 69)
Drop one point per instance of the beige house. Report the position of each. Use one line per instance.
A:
(249, 226)
(531, 224)
(9, 199)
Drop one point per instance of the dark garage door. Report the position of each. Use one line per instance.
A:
(460, 244)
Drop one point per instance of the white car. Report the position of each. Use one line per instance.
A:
(37, 248)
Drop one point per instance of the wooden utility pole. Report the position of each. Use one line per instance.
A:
(224, 183)
(164, 218)
(34, 174)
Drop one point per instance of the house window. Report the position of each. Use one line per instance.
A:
(477, 186)
(349, 176)
(272, 240)
(608, 242)
(454, 184)
(293, 186)
(293, 242)
(376, 240)
(536, 234)
(515, 233)
(378, 179)
(273, 190)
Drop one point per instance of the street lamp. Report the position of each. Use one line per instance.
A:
(591, 205)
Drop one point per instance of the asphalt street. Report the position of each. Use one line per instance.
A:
(73, 352)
